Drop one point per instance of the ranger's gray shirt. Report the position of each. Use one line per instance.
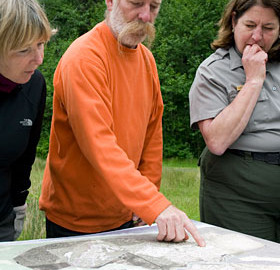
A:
(216, 84)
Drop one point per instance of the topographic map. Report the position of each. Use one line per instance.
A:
(225, 250)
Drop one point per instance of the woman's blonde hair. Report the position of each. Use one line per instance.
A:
(21, 23)
(225, 35)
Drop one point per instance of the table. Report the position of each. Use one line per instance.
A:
(137, 249)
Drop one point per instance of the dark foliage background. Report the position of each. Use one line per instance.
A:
(185, 29)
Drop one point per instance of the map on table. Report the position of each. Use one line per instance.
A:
(225, 250)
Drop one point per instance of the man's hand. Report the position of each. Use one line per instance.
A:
(172, 225)
(20, 212)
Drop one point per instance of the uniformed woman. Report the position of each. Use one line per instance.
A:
(24, 29)
(235, 102)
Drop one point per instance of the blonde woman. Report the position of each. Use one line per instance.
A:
(24, 29)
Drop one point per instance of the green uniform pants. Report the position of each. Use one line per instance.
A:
(240, 194)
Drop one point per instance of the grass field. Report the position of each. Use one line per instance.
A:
(180, 184)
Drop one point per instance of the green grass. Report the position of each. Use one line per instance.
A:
(34, 225)
(181, 163)
(180, 184)
(181, 187)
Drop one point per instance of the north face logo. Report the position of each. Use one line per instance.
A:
(26, 122)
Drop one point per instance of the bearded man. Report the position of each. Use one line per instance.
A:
(105, 155)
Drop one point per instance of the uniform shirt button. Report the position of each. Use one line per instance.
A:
(274, 88)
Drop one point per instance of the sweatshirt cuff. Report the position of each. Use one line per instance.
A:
(153, 212)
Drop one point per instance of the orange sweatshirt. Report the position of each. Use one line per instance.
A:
(105, 152)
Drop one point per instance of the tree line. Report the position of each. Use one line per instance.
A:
(185, 29)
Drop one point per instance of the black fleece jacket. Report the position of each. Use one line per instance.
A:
(21, 114)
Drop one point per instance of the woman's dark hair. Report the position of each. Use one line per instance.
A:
(239, 7)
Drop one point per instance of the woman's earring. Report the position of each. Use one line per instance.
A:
(233, 31)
